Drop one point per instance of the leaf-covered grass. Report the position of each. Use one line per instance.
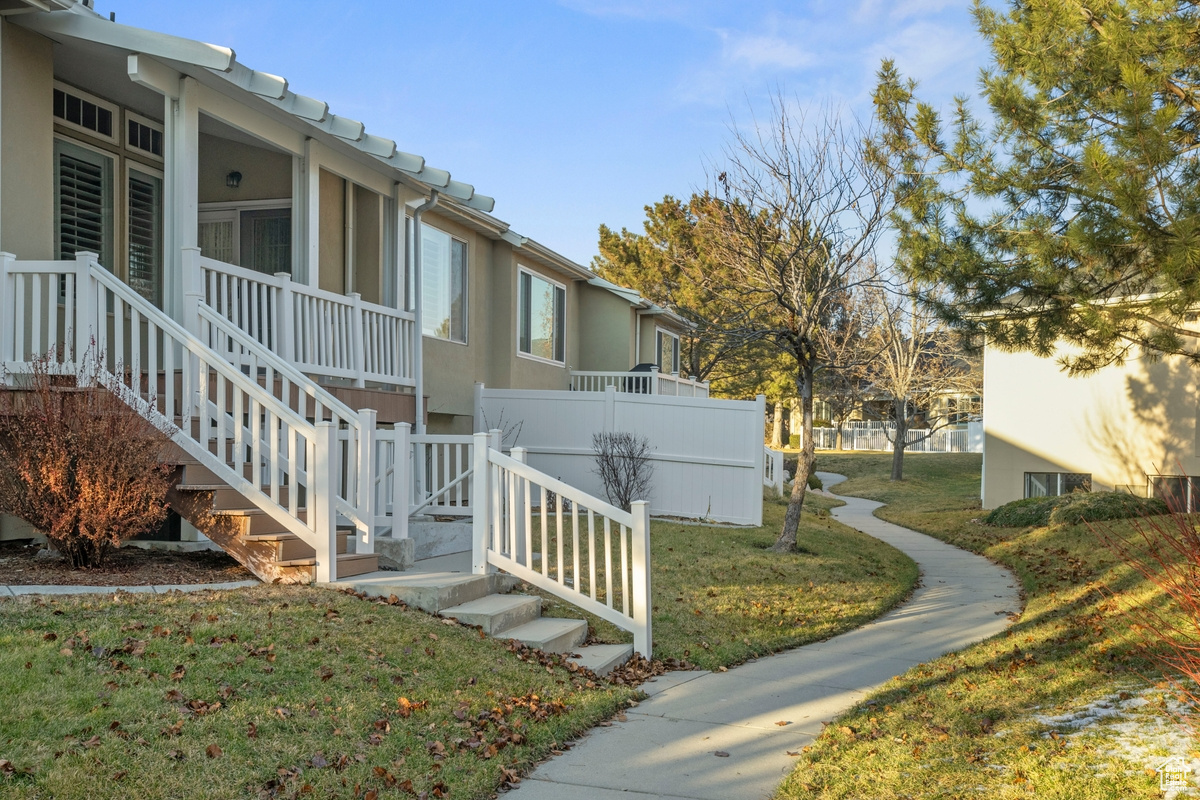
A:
(975, 723)
(722, 597)
(270, 691)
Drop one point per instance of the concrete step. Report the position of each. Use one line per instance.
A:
(497, 613)
(601, 658)
(431, 591)
(550, 634)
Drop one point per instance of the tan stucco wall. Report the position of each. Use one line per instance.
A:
(26, 143)
(266, 174)
(332, 272)
(1119, 424)
(606, 331)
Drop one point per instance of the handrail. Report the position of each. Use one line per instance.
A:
(615, 544)
(417, 509)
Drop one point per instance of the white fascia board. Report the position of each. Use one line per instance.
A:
(154, 75)
(515, 239)
(161, 45)
(556, 260)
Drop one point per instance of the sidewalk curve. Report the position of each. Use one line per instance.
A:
(667, 749)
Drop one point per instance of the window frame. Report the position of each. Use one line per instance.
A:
(231, 211)
(676, 351)
(410, 289)
(1059, 483)
(131, 116)
(112, 108)
(558, 325)
(131, 167)
(108, 212)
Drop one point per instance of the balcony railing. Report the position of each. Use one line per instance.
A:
(322, 333)
(652, 382)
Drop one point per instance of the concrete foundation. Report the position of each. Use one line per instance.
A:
(440, 538)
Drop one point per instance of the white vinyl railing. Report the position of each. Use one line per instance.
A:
(436, 478)
(773, 469)
(217, 413)
(320, 332)
(652, 382)
(562, 540)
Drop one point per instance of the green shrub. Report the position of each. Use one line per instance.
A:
(814, 482)
(1023, 513)
(1100, 506)
(1072, 509)
(790, 463)
(794, 441)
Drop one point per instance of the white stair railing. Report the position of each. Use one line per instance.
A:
(321, 332)
(217, 414)
(562, 540)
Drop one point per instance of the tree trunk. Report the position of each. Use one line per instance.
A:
(839, 443)
(786, 543)
(777, 426)
(901, 440)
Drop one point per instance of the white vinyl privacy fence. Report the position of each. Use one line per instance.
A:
(707, 454)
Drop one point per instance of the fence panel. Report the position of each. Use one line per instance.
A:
(707, 454)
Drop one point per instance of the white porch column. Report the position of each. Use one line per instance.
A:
(181, 120)
(308, 198)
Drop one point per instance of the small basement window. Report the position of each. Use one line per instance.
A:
(1054, 484)
(1179, 492)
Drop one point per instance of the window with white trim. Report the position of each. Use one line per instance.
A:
(83, 202)
(85, 112)
(1054, 484)
(1181, 493)
(667, 345)
(541, 317)
(143, 136)
(443, 285)
(145, 234)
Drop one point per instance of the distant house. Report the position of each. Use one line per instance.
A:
(1132, 427)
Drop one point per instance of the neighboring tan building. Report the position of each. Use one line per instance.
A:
(1132, 427)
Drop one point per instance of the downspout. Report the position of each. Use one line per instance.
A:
(419, 350)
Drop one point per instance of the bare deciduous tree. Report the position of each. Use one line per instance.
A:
(803, 210)
(623, 464)
(920, 366)
(843, 379)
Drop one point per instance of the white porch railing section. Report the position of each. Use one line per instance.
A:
(322, 333)
(444, 465)
(562, 540)
(217, 413)
(773, 469)
(652, 382)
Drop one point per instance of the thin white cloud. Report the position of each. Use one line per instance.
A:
(764, 51)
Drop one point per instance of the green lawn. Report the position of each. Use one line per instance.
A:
(721, 597)
(991, 721)
(266, 692)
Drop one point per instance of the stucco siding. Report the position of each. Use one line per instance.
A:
(26, 143)
(1118, 425)
(606, 331)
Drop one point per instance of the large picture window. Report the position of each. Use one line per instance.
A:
(443, 285)
(541, 315)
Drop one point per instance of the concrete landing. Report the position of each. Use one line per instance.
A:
(714, 736)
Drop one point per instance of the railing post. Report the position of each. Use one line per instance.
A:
(193, 292)
(285, 330)
(520, 498)
(480, 504)
(401, 480)
(642, 637)
(322, 488)
(8, 304)
(86, 320)
(655, 385)
(366, 478)
(356, 340)
(479, 387)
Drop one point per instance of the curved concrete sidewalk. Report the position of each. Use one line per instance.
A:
(667, 749)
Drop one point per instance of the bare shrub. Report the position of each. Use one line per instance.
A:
(623, 464)
(1166, 552)
(77, 462)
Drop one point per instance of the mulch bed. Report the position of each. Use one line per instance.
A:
(128, 566)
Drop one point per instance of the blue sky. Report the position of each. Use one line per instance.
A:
(578, 112)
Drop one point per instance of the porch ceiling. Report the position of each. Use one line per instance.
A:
(87, 30)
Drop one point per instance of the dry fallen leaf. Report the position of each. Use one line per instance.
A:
(213, 751)
(721, 754)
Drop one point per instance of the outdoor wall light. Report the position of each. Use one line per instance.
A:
(233, 179)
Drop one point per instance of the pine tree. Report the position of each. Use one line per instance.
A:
(1073, 214)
